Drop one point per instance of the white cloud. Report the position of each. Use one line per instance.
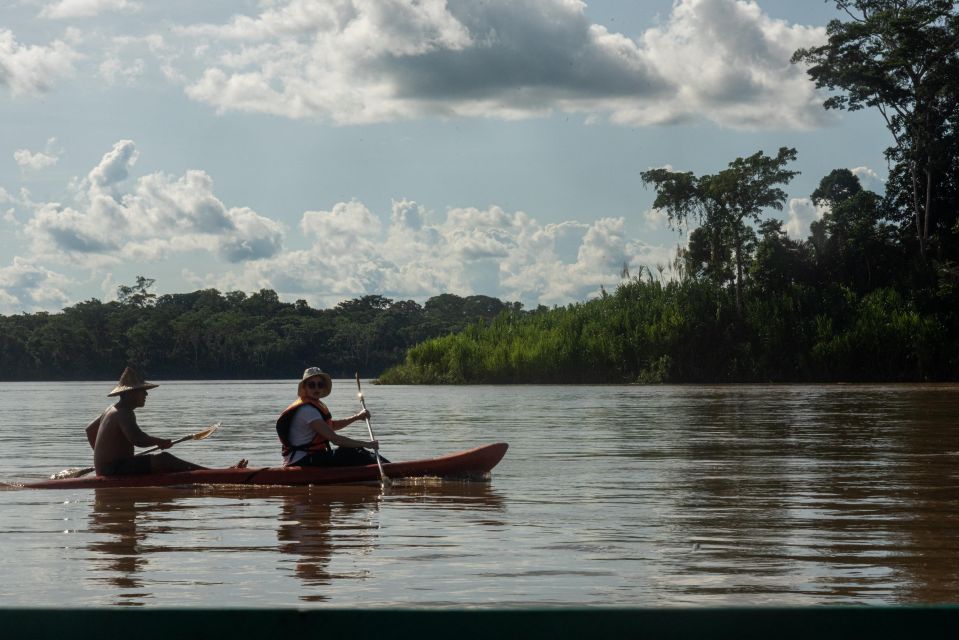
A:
(361, 61)
(346, 251)
(28, 287)
(253, 236)
(342, 226)
(38, 160)
(800, 214)
(157, 216)
(86, 8)
(128, 59)
(114, 166)
(32, 69)
(869, 179)
(729, 62)
(656, 219)
(34, 161)
(119, 71)
(466, 251)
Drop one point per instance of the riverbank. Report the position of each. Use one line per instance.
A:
(690, 332)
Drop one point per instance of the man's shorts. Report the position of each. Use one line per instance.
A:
(134, 466)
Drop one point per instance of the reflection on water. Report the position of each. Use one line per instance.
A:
(638, 496)
(306, 531)
(117, 549)
(317, 522)
(134, 528)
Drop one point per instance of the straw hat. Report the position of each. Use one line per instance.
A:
(316, 372)
(130, 381)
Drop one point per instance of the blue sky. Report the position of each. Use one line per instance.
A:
(329, 150)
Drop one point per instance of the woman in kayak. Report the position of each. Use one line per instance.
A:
(307, 429)
(115, 432)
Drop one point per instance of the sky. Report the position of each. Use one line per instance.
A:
(339, 148)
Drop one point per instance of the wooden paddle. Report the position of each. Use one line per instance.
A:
(77, 472)
(384, 481)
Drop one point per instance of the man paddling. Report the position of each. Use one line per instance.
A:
(115, 432)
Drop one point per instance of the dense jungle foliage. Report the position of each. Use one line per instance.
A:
(855, 301)
(208, 334)
(870, 295)
(689, 331)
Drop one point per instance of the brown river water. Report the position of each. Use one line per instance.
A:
(641, 496)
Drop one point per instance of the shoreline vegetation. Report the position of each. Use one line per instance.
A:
(207, 334)
(805, 312)
(871, 295)
(651, 332)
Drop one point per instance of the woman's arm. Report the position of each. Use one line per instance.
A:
(328, 431)
(345, 422)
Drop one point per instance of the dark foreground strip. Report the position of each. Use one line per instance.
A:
(430, 624)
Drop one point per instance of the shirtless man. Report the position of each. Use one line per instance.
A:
(114, 433)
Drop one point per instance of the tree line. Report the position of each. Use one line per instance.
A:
(687, 330)
(855, 301)
(872, 293)
(209, 334)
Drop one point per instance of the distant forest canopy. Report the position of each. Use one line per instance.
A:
(209, 334)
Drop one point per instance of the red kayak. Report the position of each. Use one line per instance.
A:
(472, 463)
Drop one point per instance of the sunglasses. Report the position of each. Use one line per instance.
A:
(315, 385)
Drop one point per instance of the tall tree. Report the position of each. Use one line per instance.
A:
(852, 243)
(708, 255)
(137, 295)
(902, 58)
(726, 202)
(780, 261)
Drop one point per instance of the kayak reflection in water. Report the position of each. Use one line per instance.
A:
(305, 532)
(121, 522)
(115, 432)
(307, 429)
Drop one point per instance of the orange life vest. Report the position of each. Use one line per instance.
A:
(283, 423)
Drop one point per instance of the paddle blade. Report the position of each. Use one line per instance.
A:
(72, 472)
(206, 433)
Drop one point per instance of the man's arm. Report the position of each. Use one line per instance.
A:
(132, 431)
(92, 430)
